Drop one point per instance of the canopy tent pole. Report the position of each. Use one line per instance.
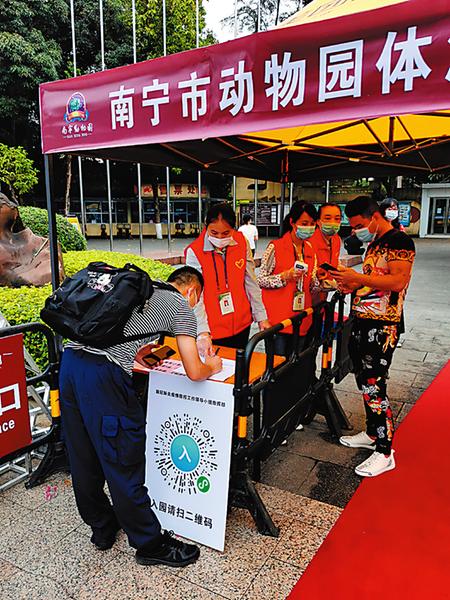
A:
(52, 235)
(80, 168)
(138, 165)
(108, 172)
(169, 237)
(255, 198)
(200, 219)
(167, 168)
(235, 18)
(284, 180)
(327, 191)
(291, 194)
(199, 173)
(234, 193)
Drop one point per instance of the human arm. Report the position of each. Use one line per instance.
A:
(194, 367)
(253, 291)
(204, 342)
(394, 281)
(266, 279)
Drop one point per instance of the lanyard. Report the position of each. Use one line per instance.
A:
(215, 269)
(297, 254)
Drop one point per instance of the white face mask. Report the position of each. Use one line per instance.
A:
(219, 242)
(391, 214)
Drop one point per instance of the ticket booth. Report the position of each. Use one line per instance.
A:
(435, 219)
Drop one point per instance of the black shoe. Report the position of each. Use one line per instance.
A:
(104, 538)
(170, 552)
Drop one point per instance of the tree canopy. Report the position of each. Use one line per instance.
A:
(17, 170)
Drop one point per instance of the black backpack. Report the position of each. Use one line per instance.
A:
(93, 306)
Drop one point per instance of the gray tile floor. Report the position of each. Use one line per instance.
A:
(45, 552)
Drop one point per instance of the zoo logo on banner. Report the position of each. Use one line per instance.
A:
(76, 118)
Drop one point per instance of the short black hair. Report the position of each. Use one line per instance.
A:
(364, 206)
(186, 276)
(329, 204)
(224, 210)
(387, 203)
(298, 208)
(246, 219)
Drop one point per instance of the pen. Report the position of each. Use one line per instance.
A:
(217, 351)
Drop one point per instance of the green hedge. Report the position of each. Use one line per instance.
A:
(37, 220)
(23, 305)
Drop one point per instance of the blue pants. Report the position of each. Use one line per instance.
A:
(104, 432)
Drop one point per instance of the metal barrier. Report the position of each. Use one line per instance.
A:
(54, 458)
(285, 396)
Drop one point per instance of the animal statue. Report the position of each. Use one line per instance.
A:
(24, 256)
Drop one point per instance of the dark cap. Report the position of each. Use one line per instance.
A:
(9, 202)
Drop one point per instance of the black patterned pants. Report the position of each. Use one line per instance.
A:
(371, 348)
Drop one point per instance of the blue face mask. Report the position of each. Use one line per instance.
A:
(303, 232)
(365, 235)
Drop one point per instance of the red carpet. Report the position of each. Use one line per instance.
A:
(393, 539)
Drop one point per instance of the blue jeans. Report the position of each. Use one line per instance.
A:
(104, 432)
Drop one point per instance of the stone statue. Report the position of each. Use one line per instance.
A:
(24, 256)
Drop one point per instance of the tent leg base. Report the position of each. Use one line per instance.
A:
(54, 461)
(245, 495)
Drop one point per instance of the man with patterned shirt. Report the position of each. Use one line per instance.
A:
(377, 307)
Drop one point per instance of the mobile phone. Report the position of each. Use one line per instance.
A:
(157, 356)
(328, 267)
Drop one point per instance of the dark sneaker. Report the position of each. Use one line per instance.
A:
(170, 552)
(103, 539)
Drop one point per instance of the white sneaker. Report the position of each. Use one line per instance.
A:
(360, 440)
(376, 464)
(299, 427)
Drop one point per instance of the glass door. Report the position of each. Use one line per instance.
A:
(439, 221)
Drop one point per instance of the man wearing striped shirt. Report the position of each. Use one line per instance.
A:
(104, 423)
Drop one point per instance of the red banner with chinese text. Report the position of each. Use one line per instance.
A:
(14, 417)
(389, 61)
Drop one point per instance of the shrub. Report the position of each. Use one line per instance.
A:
(37, 220)
(23, 304)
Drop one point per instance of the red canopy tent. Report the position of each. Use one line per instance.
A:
(201, 109)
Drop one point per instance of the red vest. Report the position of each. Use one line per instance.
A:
(216, 277)
(279, 301)
(324, 252)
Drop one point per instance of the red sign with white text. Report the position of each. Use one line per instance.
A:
(15, 430)
(388, 61)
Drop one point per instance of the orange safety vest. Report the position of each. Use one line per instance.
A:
(224, 276)
(326, 253)
(279, 301)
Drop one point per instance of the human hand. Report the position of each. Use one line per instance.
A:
(214, 363)
(347, 278)
(264, 325)
(204, 344)
(292, 275)
(322, 274)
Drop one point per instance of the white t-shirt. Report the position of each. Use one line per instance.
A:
(251, 233)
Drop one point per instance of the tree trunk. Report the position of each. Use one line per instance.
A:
(68, 185)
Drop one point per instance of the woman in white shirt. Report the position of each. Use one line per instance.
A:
(250, 231)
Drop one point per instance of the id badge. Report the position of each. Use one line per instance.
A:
(226, 303)
(299, 301)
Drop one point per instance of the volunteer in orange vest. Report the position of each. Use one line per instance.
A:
(327, 245)
(231, 298)
(288, 273)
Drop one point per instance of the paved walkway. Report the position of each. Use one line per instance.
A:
(45, 552)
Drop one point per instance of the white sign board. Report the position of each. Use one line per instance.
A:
(189, 433)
